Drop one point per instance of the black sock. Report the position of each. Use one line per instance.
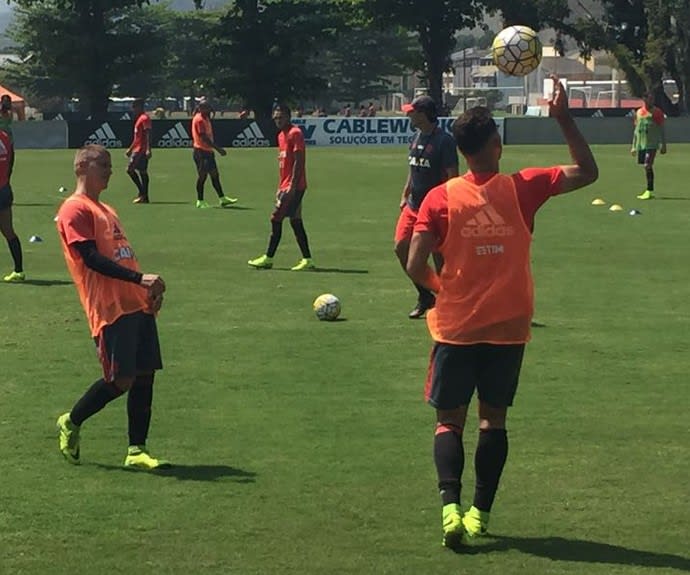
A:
(137, 182)
(274, 240)
(449, 457)
(16, 250)
(650, 178)
(200, 189)
(301, 237)
(489, 459)
(215, 181)
(96, 398)
(139, 409)
(145, 185)
(425, 296)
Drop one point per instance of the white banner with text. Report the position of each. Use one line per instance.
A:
(384, 131)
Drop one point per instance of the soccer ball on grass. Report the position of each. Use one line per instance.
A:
(516, 50)
(327, 307)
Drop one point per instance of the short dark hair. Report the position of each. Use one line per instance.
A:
(283, 109)
(473, 129)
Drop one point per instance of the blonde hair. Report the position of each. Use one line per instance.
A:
(89, 153)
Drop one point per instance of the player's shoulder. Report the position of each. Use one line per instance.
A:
(295, 131)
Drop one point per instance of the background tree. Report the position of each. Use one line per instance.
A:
(265, 52)
(363, 59)
(82, 48)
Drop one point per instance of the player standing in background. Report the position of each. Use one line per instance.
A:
(482, 224)
(649, 135)
(291, 189)
(204, 158)
(6, 200)
(139, 152)
(433, 159)
(120, 304)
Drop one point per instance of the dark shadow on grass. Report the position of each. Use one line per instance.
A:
(166, 203)
(193, 472)
(577, 550)
(324, 271)
(536, 323)
(45, 283)
(34, 205)
(670, 198)
(234, 207)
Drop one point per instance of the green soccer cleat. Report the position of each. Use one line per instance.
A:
(304, 264)
(15, 277)
(225, 201)
(453, 530)
(139, 459)
(68, 438)
(476, 523)
(202, 204)
(261, 263)
(646, 195)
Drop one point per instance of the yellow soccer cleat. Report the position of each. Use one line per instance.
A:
(225, 201)
(203, 204)
(476, 523)
(304, 264)
(15, 277)
(68, 438)
(453, 529)
(139, 459)
(261, 263)
(646, 195)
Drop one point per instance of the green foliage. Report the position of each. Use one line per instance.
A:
(273, 51)
(85, 49)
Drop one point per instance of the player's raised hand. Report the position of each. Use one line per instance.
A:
(558, 103)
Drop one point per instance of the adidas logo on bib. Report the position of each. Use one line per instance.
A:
(487, 223)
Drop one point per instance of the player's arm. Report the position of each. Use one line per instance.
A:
(662, 132)
(583, 171)
(147, 140)
(209, 142)
(421, 246)
(297, 169)
(633, 147)
(406, 191)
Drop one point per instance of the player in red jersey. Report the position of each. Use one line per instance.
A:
(139, 152)
(291, 189)
(6, 200)
(482, 223)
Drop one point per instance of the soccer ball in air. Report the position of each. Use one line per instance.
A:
(516, 50)
(327, 307)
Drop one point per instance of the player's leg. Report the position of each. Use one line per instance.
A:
(646, 158)
(403, 235)
(449, 388)
(294, 212)
(279, 213)
(212, 168)
(141, 165)
(134, 175)
(140, 397)
(117, 355)
(201, 175)
(497, 384)
(13, 242)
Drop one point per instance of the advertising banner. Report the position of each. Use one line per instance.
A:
(340, 131)
(173, 133)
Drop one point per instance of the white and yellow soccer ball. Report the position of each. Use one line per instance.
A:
(516, 50)
(327, 307)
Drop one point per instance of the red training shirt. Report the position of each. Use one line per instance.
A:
(290, 140)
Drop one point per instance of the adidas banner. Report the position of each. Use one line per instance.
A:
(602, 112)
(173, 133)
(339, 131)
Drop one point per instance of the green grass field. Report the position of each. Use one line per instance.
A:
(304, 447)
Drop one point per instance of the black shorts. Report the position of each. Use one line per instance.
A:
(456, 370)
(138, 162)
(129, 346)
(205, 161)
(288, 205)
(645, 157)
(6, 197)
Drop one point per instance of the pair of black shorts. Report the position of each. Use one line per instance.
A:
(129, 346)
(288, 205)
(205, 161)
(646, 157)
(138, 162)
(6, 197)
(455, 371)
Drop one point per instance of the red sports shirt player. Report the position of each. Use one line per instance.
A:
(291, 189)
(139, 152)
